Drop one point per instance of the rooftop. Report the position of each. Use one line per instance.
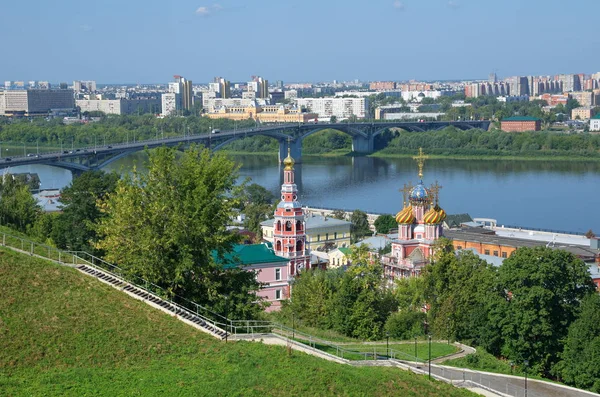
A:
(315, 222)
(521, 118)
(244, 255)
(585, 253)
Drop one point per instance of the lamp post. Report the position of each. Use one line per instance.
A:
(226, 316)
(293, 325)
(525, 364)
(387, 344)
(416, 357)
(430, 357)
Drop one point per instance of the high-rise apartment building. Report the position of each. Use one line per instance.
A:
(36, 102)
(183, 87)
(259, 86)
(570, 82)
(170, 103)
(84, 86)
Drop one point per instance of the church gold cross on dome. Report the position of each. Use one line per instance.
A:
(420, 159)
(435, 189)
(406, 192)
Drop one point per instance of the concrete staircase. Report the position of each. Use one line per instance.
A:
(194, 319)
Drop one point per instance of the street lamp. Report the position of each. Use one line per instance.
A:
(416, 357)
(430, 357)
(226, 316)
(387, 344)
(525, 364)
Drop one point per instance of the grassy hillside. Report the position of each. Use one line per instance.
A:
(63, 333)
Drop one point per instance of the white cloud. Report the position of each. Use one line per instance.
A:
(208, 10)
(86, 28)
(453, 4)
(398, 5)
(203, 11)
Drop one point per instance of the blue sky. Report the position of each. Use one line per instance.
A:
(134, 41)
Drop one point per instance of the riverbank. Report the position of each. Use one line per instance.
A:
(348, 153)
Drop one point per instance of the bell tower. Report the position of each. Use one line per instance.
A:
(289, 237)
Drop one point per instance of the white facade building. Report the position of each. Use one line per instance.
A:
(171, 103)
(342, 108)
(595, 123)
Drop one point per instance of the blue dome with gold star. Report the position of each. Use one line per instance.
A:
(419, 194)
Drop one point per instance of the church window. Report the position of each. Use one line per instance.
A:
(278, 226)
(298, 226)
(278, 245)
(299, 245)
(288, 226)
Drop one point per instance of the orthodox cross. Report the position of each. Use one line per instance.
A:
(435, 189)
(420, 159)
(405, 192)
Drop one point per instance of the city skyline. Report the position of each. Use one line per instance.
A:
(135, 42)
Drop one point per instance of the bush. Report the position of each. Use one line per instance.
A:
(405, 324)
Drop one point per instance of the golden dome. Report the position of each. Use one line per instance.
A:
(289, 162)
(405, 216)
(440, 211)
(432, 216)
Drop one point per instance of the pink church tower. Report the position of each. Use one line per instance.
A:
(419, 226)
(289, 238)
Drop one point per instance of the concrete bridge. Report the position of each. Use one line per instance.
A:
(363, 138)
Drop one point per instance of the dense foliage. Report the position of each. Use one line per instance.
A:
(74, 228)
(18, 208)
(165, 225)
(353, 302)
(453, 141)
(521, 310)
(360, 225)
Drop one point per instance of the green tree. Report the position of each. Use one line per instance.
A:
(384, 223)
(75, 227)
(168, 224)
(18, 208)
(339, 214)
(579, 364)
(360, 225)
(543, 288)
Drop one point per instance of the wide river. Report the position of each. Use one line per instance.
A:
(539, 194)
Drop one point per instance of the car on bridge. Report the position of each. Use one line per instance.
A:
(8, 159)
(215, 131)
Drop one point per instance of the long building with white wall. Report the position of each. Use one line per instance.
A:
(342, 108)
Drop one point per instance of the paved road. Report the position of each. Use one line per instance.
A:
(504, 384)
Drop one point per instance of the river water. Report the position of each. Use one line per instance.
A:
(539, 194)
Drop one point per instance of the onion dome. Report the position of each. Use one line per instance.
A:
(419, 195)
(289, 162)
(440, 211)
(405, 216)
(432, 216)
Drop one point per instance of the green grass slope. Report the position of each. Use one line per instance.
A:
(66, 334)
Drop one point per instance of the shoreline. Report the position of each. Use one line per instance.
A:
(562, 158)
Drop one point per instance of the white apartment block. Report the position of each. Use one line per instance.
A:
(171, 103)
(212, 104)
(119, 106)
(342, 108)
(595, 123)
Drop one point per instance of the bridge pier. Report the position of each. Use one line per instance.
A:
(295, 150)
(362, 145)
